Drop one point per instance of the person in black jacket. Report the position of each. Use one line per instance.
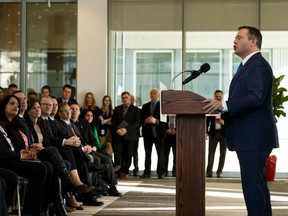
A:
(17, 157)
(125, 122)
(91, 146)
(153, 131)
(216, 132)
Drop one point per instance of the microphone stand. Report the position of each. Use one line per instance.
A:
(175, 76)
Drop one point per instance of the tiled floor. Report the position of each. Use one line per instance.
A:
(143, 197)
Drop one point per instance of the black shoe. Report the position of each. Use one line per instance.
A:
(79, 207)
(83, 189)
(209, 174)
(218, 174)
(69, 209)
(115, 192)
(161, 176)
(57, 209)
(93, 167)
(135, 172)
(145, 175)
(92, 201)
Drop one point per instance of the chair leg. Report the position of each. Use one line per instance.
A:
(18, 199)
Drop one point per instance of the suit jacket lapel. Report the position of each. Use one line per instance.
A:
(244, 69)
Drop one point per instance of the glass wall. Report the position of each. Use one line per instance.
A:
(148, 47)
(49, 44)
(9, 44)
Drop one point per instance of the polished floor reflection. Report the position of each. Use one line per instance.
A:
(143, 197)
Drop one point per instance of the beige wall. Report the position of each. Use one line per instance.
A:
(92, 49)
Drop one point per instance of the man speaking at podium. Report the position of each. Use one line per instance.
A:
(250, 123)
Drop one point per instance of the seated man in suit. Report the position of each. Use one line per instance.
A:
(90, 146)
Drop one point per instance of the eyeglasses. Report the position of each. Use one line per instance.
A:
(12, 103)
(46, 104)
(67, 110)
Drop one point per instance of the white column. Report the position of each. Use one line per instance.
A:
(92, 49)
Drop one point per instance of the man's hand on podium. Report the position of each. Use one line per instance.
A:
(212, 105)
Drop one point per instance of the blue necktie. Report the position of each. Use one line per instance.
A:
(152, 108)
(239, 68)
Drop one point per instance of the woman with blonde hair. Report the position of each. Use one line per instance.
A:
(105, 125)
(90, 104)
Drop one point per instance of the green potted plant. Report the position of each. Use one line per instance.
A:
(278, 97)
(278, 100)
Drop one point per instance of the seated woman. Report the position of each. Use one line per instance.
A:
(105, 146)
(49, 156)
(39, 135)
(16, 157)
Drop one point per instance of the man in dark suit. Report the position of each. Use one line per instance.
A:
(216, 132)
(153, 131)
(250, 123)
(126, 122)
(91, 147)
(68, 130)
(66, 95)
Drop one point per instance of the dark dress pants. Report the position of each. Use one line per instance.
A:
(159, 144)
(3, 205)
(123, 152)
(67, 154)
(109, 174)
(170, 142)
(10, 184)
(254, 184)
(82, 165)
(213, 141)
(36, 173)
(135, 156)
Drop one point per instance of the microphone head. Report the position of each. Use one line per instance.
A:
(205, 67)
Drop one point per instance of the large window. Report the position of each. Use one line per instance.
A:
(48, 47)
(147, 46)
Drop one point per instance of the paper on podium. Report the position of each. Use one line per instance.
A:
(163, 117)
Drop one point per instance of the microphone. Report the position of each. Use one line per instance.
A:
(203, 69)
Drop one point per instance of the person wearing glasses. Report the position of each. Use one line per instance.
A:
(125, 123)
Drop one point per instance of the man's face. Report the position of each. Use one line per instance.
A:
(65, 112)
(55, 106)
(66, 94)
(75, 111)
(132, 99)
(126, 99)
(12, 89)
(154, 95)
(242, 44)
(218, 96)
(46, 106)
(23, 102)
(45, 92)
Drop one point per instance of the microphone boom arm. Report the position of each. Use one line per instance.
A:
(176, 75)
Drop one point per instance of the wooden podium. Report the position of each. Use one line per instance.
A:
(190, 150)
